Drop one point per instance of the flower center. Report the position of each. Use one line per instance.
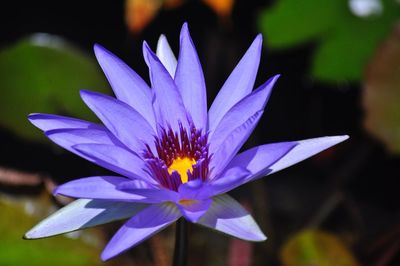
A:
(182, 166)
(179, 157)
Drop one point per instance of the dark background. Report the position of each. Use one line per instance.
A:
(349, 191)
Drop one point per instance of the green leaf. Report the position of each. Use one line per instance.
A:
(291, 22)
(345, 41)
(313, 247)
(44, 73)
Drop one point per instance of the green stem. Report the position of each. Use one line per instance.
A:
(181, 242)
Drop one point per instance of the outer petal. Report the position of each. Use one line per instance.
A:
(227, 216)
(189, 79)
(168, 104)
(69, 137)
(241, 112)
(104, 187)
(128, 86)
(123, 121)
(254, 159)
(116, 159)
(140, 188)
(193, 210)
(239, 84)
(166, 56)
(83, 213)
(47, 122)
(140, 227)
(232, 144)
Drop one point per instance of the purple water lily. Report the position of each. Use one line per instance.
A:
(172, 157)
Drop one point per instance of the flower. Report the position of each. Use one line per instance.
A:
(173, 157)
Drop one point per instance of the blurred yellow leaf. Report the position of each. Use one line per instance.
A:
(382, 92)
(223, 8)
(316, 248)
(139, 13)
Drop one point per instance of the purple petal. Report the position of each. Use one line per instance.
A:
(189, 79)
(102, 187)
(128, 86)
(240, 113)
(255, 159)
(166, 56)
(239, 84)
(230, 179)
(140, 227)
(83, 213)
(123, 121)
(232, 144)
(67, 138)
(258, 160)
(228, 216)
(47, 122)
(116, 159)
(193, 210)
(168, 104)
(140, 188)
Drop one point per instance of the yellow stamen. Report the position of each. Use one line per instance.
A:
(182, 165)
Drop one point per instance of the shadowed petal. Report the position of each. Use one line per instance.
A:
(140, 188)
(241, 112)
(67, 138)
(230, 179)
(232, 144)
(123, 121)
(128, 86)
(47, 122)
(239, 84)
(103, 187)
(228, 216)
(140, 227)
(116, 159)
(168, 104)
(83, 213)
(193, 210)
(189, 79)
(257, 161)
(254, 159)
(166, 56)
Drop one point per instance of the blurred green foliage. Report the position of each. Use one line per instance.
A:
(44, 74)
(61, 251)
(345, 39)
(314, 247)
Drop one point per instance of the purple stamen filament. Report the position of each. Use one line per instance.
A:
(181, 157)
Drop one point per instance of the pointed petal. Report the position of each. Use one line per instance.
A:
(168, 104)
(239, 84)
(232, 145)
(193, 210)
(241, 112)
(140, 227)
(116, 159)
(227, 216)
(103, 187)
(47, 122)
(258, 160)
(67, 138)
(189, 79)
(255, 159)
(128, 86)
(83, 213)
(123, 121)
(166, 56)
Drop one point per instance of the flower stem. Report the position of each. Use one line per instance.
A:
(181, 241)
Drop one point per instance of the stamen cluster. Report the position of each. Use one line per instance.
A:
(191, 144)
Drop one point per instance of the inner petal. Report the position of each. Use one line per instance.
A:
(182, 166)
